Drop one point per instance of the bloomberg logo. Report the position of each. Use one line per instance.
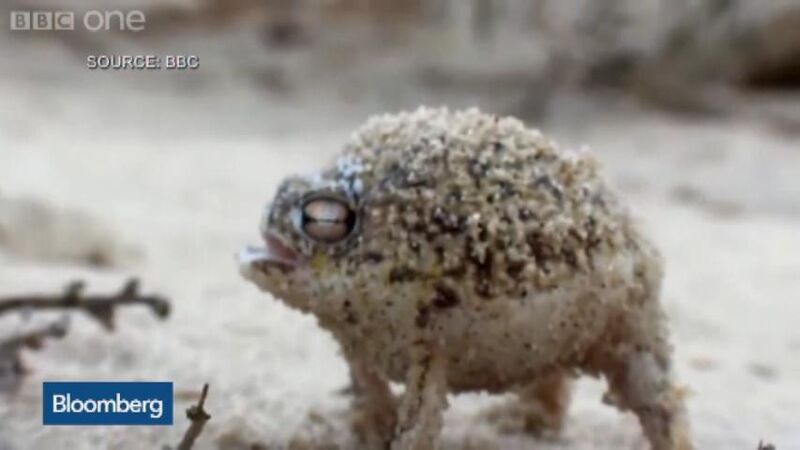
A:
(106, 403)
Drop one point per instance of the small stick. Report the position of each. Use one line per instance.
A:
(11, 349)
(99, 307)
(199, 417)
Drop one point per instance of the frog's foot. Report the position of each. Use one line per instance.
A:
(539, 408)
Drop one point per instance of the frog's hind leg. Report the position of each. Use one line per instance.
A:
(643, 385)
(637, 362)
(635, 357)
(540, 407)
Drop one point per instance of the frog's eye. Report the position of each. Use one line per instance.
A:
(326, 219)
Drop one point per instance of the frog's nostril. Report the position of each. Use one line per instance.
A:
(263, 224)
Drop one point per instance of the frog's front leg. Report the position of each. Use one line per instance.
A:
(374, 405)
(420, 414)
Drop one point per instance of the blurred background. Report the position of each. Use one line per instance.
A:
(692, 106)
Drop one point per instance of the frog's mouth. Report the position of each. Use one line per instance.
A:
(274, 253)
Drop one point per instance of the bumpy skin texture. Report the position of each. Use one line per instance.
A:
(483, 257)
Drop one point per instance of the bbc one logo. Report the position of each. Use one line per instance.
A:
(92, 20)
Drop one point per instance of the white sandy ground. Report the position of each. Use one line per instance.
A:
(180, 167)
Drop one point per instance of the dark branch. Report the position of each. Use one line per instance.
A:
(11, 365)
(199, 417)
(99, 307)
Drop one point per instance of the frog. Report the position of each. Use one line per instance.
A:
(453, 251)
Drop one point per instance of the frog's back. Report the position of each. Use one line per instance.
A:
(483, 200)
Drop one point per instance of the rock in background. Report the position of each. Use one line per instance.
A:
(36, 230)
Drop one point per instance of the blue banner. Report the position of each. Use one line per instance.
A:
(106, 403)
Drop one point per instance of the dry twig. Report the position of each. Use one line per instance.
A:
(11, 365)
(199, 417)
(99, 307)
